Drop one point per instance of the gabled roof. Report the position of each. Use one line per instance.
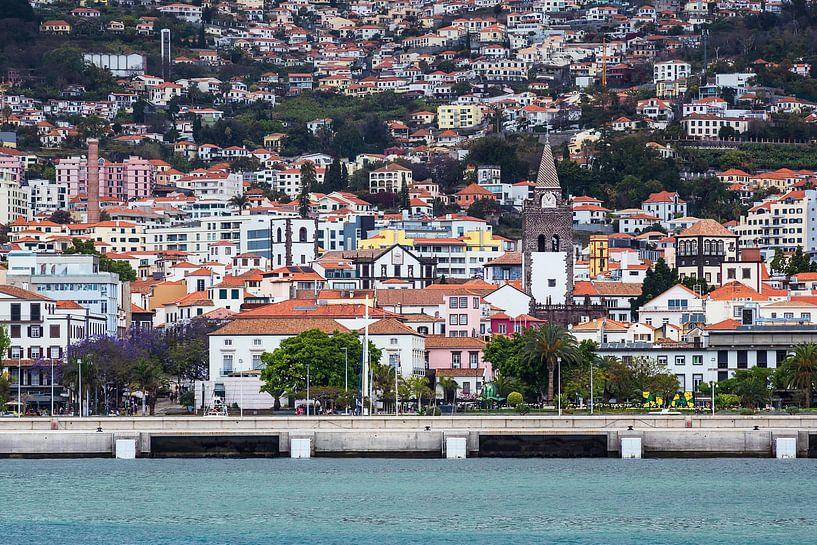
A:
(279, 326)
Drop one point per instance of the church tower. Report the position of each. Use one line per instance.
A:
(547, 239)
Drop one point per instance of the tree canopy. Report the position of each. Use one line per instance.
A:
(106, 264)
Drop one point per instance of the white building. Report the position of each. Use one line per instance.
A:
(76, 278)
(13, 199)
(47, 196)
(671, 71)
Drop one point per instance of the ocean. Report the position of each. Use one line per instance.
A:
(399, 501)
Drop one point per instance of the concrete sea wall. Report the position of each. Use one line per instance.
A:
(410, 436)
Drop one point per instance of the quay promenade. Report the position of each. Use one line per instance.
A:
(412, 436)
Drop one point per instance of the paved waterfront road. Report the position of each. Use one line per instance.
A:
(376, 501)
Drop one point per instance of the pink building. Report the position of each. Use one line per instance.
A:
(461, 359)
(463, 314)
(502, 324)
(132, 179)
(13, 165)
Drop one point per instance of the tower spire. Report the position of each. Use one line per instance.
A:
(547, 177)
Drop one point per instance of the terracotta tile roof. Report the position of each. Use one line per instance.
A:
(707, 227)
(725, 324)
(508, 258)
(596, 324)
(197, 298)
(20, 293)
(390, 326)
(409, 297)
(279, 326)
(460, 372)
(69, 305)
(441, 341)
(300, 308)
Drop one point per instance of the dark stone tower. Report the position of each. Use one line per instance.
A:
(547, 239)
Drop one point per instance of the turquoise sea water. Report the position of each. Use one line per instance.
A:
(377, 501)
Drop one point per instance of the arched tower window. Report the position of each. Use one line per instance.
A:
(541, 243)
(554, 243)
(279, 236)
(302, 234)
(720, 248)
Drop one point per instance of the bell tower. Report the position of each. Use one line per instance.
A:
(547, 239)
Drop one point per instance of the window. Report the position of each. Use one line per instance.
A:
(696, 382)
(662, 360)
(551, 282)
(476, 302)
(680, 360)
(302, 234)
(473, 359)
(675, 304)
(466, 388)
(746, 273)
(228, 342)
(35, 331)
(383, 271)
(54, 331)
(682, 382)
(256, 342)
(540, 243)
(234, 294)
(730, 274)
(761, 358)
(502, 328)
(723, 359)
(14, 331)
(697, 359)
(453, 302)
(256, 361)
(463, 302)
(463, 319)
(743, 362)
(456, 360)
(453, 320)
(227, 364)
(393, 340)
(16, 352)
(16, 313)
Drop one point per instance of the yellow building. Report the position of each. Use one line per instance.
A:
(459, 116)
(599, 260)
(386, 238)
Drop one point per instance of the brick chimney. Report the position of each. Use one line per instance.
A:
(93, 180)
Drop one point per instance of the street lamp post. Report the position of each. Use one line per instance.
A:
(240, 389)
(79, 365)
(396, 376)
(52, 387)
(591, 386)
(346, 375)
(19, 386)
(307, 389)
(713, 397)
(559, 400)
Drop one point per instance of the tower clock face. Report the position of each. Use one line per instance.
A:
(548, 200)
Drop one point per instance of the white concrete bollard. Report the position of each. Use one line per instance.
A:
(300, 447)
(125, 449)
(631, 447)
(455, 448)
(786, 447)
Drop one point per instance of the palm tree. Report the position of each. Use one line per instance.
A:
(240, 201)
(147, 377)
(800, 369)
(418, 388)
(546, 346)
(448, 384)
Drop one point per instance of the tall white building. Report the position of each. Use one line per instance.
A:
(47, 195)
(13, 199)
(671, 71)
(76, 278)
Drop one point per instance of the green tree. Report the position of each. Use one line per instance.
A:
(799, 262)
(5, 343)
(285, 367)
(60, 216)
(240, 201)
(656, 281)
(449, 387)
(799, 370)
(752, 385)
(309, 179)
(106, 264)
(418, 389)
(333, 181)
(541, 350)
(778, 263)
(146, 375)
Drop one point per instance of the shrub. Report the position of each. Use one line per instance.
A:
(187, 398)
(747, 412)
(515, 398)
(723, 401)
(791, 409)
(433, 411)
(522, 408)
